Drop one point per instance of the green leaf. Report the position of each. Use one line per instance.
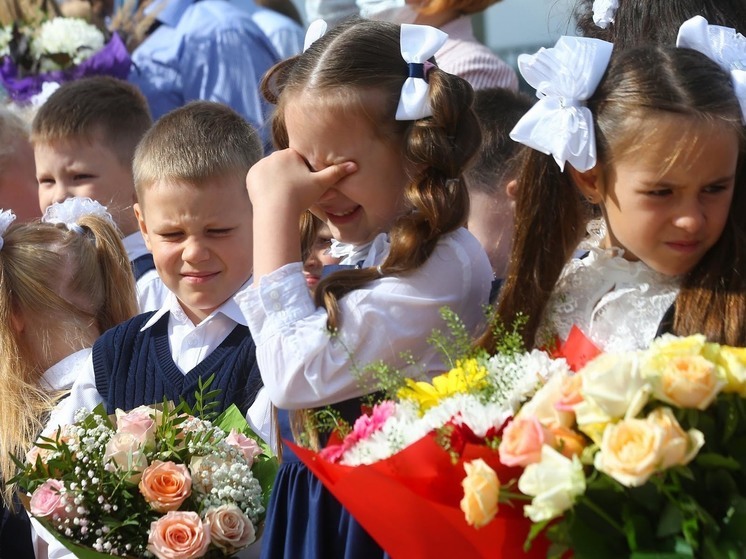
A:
(713, 460)
(670, 522)
(265, 472)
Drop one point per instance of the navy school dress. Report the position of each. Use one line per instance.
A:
(134, 368)
(15, 533)
(304, 520)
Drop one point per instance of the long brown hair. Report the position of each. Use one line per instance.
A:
(551, 216)
(351, 61)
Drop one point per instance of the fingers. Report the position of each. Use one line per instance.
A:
(331, 175)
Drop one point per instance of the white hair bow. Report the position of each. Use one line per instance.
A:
(418, 44)
(723, 45)
(6, 218)
(71, 210)
(315, 31)
(604, 12)
(564, 77)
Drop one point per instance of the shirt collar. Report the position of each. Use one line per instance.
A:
(62, 374)
(229, 309)
(134, 245)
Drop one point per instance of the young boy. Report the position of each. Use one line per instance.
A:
(84, 139)
(490, 178)
(195, 216)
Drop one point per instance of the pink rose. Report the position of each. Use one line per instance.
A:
(179, 535)
(49, 499)
(570, 392)
(140, 423)
(230, 529)
(165, 485)
(248, 446)
(522, 441)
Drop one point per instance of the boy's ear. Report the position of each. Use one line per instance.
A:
(590, 183)
(141, 223)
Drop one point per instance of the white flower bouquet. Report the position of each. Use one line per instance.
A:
(153, 482)
(58, 50)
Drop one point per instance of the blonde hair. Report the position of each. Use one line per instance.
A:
(194, 144)
(67, 282)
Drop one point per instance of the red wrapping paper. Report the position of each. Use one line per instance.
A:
(577, 349)
(409, 503)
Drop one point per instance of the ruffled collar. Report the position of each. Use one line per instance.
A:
(369, 254)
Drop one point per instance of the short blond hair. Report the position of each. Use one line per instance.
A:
(194, 144)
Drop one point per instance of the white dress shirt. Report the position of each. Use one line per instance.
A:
(151, 293)
(303, 366)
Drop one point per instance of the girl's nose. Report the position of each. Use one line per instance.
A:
(691, 218)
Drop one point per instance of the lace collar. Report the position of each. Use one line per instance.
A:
(370, 254)
(617, 303)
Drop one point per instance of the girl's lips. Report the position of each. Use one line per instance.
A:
(343, 217)
(684, 246)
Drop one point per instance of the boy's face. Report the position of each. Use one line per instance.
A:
(80, 168)
(201, 240)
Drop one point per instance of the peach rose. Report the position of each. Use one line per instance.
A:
(248, 446)
(481, 493)
(569, 443)
(733, 362)
(179, 535)
(543, 405)
(140, 422)
(684, 381)
(634, 449)
(49, 499)
(230, 529)
(570, 392)
(165, 485)
(522, 441)
(125, 450)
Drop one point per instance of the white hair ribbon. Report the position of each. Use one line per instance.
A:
(604, 12)
(316, 29)
(564, 77)
(71, 210)
(723, 45)
(418, 44)
(6, 218)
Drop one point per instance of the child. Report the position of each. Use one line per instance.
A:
(316, 249)
(17, 171)
(195, 216)
(63, 281)
(668, 179)
(379, 158)
(491, 178)
(84, 139)
(630, 23)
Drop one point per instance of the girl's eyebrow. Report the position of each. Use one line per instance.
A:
(656, 183)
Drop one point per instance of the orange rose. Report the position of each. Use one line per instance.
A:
(481, 493)
(165, 485)
(178, 535)
(569, 443)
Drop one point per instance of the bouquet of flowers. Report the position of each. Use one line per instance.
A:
(58, 50)
(659, 465)
(431, 448)
(154, 482)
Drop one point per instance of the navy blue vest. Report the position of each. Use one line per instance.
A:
(135, 368)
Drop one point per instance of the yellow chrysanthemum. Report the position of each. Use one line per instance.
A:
(468, 376)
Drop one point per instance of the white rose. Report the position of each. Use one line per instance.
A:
(543, 405)
(125, 450)
(612, 382)
(554, 483)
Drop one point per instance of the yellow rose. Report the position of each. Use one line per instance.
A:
(671, 345)
(686, 381)
(634, 449)
(733, 362)
(481, 493)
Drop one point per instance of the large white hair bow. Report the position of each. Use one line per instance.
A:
(564, 77)
(418, 44)
(723, 45)
(6, 218)
(71, 210)
(315, 31)
(604, 12)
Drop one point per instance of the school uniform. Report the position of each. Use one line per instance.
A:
(303, 367)
(151, 292)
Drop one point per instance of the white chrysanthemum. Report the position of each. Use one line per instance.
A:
(6, 34)
(62, 35)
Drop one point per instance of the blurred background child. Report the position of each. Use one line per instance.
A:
(316, 249)
(18, 190)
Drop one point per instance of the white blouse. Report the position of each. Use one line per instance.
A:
(302, 365)
(618, 304)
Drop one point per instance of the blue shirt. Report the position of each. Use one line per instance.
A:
(207, 49)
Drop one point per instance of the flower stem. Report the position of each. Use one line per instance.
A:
(600, 512)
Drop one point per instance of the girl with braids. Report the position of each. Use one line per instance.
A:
(63, 281)
(378, 156)
(659, 149)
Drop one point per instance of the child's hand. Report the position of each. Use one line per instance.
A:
(281, 187)
(284, 185)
